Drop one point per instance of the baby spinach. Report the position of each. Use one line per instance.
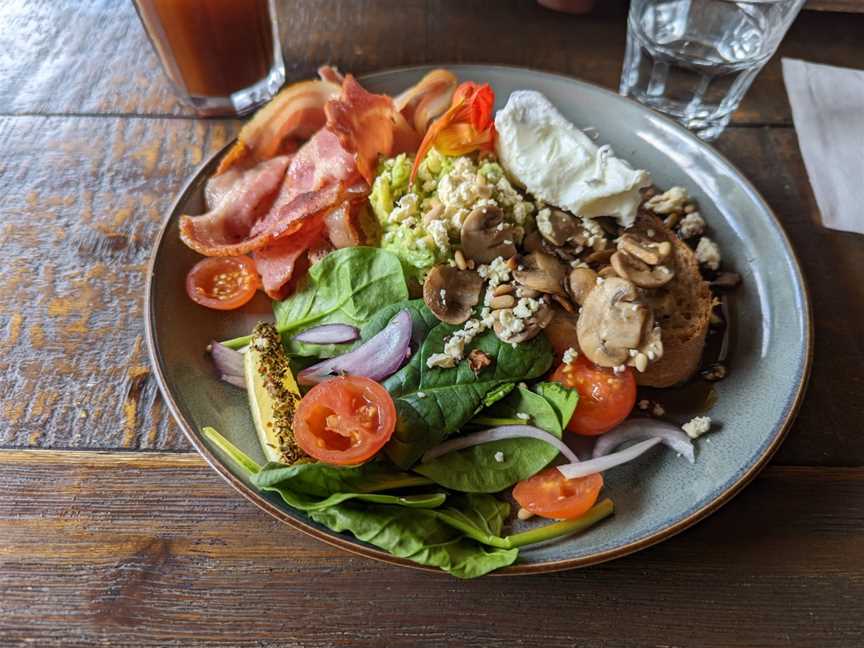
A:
(434, 403)
(562, 399)
(476, 470)
(316, 486)
(451, 539)
(321, 480)
(463, 538)
(347, 286)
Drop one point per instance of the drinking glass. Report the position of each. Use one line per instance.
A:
(222, 56)
(695, 59)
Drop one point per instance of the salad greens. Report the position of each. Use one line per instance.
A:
(427, 536)
(316, 486)
(347, 286)
(434, 403)
(459, 533)
(477, 470)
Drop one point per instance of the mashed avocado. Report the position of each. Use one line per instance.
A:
(422, 224)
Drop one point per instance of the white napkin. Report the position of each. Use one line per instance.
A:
(828, 111)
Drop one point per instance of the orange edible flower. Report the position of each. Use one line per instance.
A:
(465, 127)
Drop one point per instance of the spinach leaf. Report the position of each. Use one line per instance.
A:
(562, 399)
(430, 537)
(347, 286)
(433, 403)
(303, 486)
(321, 480)
(475, 469)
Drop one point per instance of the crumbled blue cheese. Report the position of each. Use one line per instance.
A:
(669, 201)
(406, 208)
(570, 356)
(499, 457)
(510, 324)
(708, 253)
(454, 346)
(691, 225)
(438, 231)
(421, 394)
(526, 307)
(495, 273)
(523, 416)
(596, 234)
(697, 426)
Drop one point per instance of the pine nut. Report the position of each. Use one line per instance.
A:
(524, 514)
(502, 301)
(503, 289)
(460, 260)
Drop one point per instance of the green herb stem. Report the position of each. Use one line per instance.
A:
(240, 342)
(563, 528)
(240, 458)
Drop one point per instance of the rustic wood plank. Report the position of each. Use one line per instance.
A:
(83, 200)
(94, 57)
(70, 317)
(154, 549)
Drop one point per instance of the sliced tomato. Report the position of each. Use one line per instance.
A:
(605, 398)
(223, 283)
(549, 494)
(345, 420)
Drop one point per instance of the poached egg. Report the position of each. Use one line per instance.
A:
(561, 165)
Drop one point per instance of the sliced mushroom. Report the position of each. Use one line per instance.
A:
(581, 282)
(451, 294)
(485, 237)
(506, 329)
(560, 228)
(612, 322)
(639, 272)
(542, 272)
(600, 257)
(644, 249)
(533, 242)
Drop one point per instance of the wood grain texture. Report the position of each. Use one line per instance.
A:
(73, 371)
(93, 57)
(174, 557)
(83, 200)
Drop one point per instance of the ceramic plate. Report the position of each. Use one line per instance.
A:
(656, 497)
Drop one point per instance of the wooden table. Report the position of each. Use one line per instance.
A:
(113, 532)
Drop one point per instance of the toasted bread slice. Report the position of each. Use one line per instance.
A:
(682, 308)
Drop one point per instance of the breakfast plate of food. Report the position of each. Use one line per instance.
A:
(476, 319)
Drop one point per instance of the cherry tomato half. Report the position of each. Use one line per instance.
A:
(605, 398)
(222, 283)
(548, 494)
(345, 420)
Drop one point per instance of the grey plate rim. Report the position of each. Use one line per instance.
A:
(351, 545)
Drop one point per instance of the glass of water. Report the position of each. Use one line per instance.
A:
(695, 59)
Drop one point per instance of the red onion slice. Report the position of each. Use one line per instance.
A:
(641, 428)
(497, 434)
(377, 358)
(328, 334)
(229, 364)
(574, 470)
(237, 381)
